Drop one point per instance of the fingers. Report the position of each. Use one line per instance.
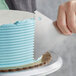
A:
(70, 16)
(71, 22)
(55, 24)
(61, 21)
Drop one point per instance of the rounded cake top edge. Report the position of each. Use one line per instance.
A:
(21, 22)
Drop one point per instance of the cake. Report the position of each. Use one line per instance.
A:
(17, 43)
(17, 30)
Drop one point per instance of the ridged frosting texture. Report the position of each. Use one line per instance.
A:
(17, 43)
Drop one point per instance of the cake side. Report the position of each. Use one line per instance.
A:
(17, 43)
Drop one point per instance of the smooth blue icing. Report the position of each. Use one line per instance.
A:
(17, 43)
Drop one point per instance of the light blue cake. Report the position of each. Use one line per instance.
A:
(17, 43)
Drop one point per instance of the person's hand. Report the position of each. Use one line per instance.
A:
(66, 20)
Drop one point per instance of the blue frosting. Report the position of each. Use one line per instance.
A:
(17, 43)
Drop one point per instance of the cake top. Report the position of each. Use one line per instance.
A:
(18, 23)
(11, 16)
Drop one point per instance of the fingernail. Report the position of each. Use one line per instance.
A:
(69, 33)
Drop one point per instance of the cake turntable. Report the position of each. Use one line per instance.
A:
(54, 65)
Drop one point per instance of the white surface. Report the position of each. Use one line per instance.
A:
(54, 65)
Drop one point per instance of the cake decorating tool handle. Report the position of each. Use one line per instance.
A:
(46, 35)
